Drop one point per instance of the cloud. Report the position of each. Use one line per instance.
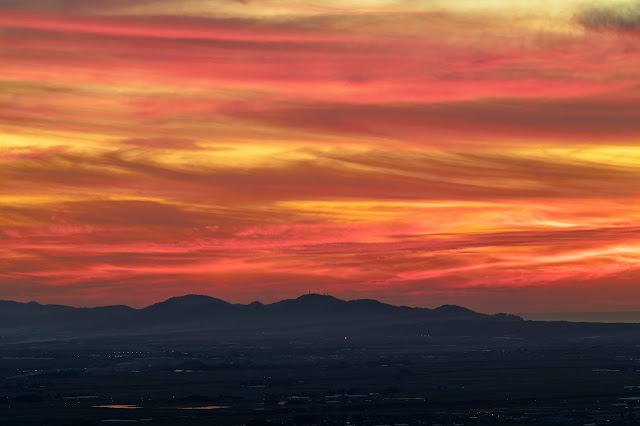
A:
(66, 6)
(370, 148)
(130, 213)
(623, 17)
(581, 119)
(162, 143)
(413, 57)
(30, 153)
(175, 27)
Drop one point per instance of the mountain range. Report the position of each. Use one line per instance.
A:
(194, 312)
(203, 317)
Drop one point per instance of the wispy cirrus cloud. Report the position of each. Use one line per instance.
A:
(417, 152)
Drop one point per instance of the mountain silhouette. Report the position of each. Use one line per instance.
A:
(197, 312)
(190, 300)
(313, 316)
(189, 304)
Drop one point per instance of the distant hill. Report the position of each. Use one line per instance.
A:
(197, 312)
(310, 316)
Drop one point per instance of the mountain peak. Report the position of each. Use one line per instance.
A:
(309, 302)
(317, 296)
(318, 300)
(454, 309)
(190, 301)
(196, 298)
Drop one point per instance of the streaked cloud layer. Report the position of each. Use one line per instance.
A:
(418, 152)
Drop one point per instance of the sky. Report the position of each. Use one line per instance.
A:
(484, 153)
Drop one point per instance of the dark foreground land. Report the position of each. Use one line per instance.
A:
(410, 367)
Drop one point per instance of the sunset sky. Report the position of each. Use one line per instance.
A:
(484, 153)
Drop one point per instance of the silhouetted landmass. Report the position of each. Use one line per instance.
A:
(314, 360)
(204, 312)
(309, 314)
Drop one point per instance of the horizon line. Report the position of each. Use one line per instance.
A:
(326, 294)
(323, 294)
